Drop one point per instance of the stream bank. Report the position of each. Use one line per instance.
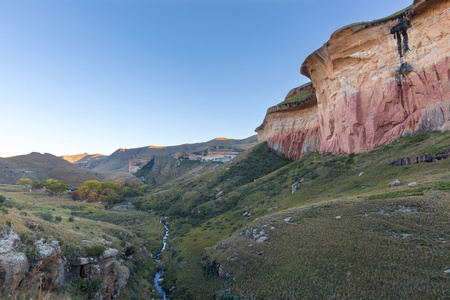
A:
(157, 280)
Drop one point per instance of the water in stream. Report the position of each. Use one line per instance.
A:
(164, 294)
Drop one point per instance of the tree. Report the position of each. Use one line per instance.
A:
(24, 181)
(92, 197)
(90, 185)
(36, 184)
(117, 187)
(53, 186)
(112, 198)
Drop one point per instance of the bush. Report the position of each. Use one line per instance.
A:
(227, 295)
(95, 251)
(47, 216)
(2, 199)
(129, 192)
(79, 287)
(77, 195)
(71, 219)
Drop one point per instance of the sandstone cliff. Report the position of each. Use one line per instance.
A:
(373, 82)
(291, 128)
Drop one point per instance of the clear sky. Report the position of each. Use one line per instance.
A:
(97, 75)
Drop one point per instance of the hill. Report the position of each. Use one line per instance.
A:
(36, 166)
(323, 226)
(85, 160)
(123, 160)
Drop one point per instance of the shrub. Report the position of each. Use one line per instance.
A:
(95, 251)
(71, 219)
(79, 287)
(70, 252)
(77, 195)
(49, 268)
(2, 199)
(129, 192)
(47, 216)
(227, 295)
(58, 218)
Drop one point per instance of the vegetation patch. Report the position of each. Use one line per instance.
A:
(297, 98)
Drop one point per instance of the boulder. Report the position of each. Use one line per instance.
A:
(295, 187)
(13, 263)
(396, 182)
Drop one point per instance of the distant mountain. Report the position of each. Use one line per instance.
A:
(159, 164)
(85, 160)
(36, 166)
(132, 160)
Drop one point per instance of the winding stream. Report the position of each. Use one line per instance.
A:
(164, 294)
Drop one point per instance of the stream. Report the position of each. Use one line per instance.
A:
(164, 294)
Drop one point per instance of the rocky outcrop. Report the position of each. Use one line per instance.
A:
(292, 128)
(420, 159)
(136, 163)
(375, 82)
(13, 263)
(46, 268)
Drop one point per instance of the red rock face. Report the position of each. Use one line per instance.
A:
(292, 130)
(295, 144)
(376, 82)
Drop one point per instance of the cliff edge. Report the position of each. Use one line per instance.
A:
(373, 82)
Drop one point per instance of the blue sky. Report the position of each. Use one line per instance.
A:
(97, 75)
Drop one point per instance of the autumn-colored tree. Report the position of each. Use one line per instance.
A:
(107, 191)
(92, 196)
(24, 181)
(53, 186)
(77, 195)
(95, 185)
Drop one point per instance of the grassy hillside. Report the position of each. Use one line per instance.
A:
(36, 166)
(343, 234)
(80, 225)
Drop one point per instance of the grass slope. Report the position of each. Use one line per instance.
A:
(41, 216)
(388, 242)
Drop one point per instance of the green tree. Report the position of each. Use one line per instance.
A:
(36, 184)
(53, 186)
(111, 198)
(117, 187)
